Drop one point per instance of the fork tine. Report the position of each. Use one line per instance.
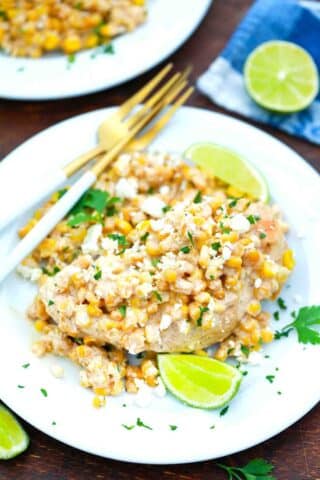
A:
(99, 166)
(139, 96)
(145, 140)
(155, 98)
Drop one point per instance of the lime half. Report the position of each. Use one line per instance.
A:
(227, 165)
(13, 439)
(201, 382)
(281, 76)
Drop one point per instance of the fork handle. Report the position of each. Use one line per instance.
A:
(41, 187)
(46, 224)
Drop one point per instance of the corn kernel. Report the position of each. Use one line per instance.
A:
(267, 336)
(98, 402)
(81, 351)
(153, 249)
(170, 275)
(201, 353)
(268, 270)
(100, 391)
(288, 259)
(234, 262)
(254, 308)
(71, 44)
(40, 325)
(51, 41)
(124, 226)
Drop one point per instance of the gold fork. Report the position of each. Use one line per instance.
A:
(115, 127)
(66, 202)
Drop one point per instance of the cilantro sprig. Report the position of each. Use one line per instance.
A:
(92, 207)
(256, 469)
(306, 319)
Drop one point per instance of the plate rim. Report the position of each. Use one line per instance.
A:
(139, 72)
(258, 438)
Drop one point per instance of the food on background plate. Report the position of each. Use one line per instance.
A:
(30, 28)
(158, 257)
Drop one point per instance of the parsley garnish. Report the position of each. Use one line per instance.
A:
(150, 191)
(253, 219)
(155, 261)
(109, 49)
(123, 310)
(144, 237)
(262, 235)
(257, 469)
(121, 239)
(224, 229)
(98, 274)
(215, 246)
(44, 392)
(270, 378)
(157, 295)
(306, 318)
(224, 411)
(71, 58)
(190, 238)
(50, 302)
(212, 427)
(141, 424)
(185, 249)
(173, 427)
(281, 303)
(53, 423)
(26, 365)
(198, 198)
(276, 315)
(20, 386)
(128, 427)
(202, 311)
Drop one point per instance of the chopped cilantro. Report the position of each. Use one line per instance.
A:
(166, 209)
(157, 295)
(26, 365)
(44, 392)
(253, 219)
(212, 427)
(190, 238)
(20, 386)
(212, 277)
(78, 6)
(3, 15)
(233, 202)
(50, 302)
(173, 427)
(224, 229)
(92, 206)
(98, 274)
(155, 261)
(198, 198)
(306, 318)
(202, 311)
(224, 411)
(109, 49)
(270, 378)
(185, 249)
(150, 191)
(276, 315)
(144, 237)
(279, 392)
(262, 235)
(121, 239)
(128, 427)
(53, 272)
(245, 350)
(53, 423)
(215, 246)
(123, 310)
(281, 303)
(71, 58)
(141, 424)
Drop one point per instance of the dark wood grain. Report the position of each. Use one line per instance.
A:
(295, 452)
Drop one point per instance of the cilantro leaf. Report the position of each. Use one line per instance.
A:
(198, 198)
(306, 318)
(258, 466)
(185, 249)
(141, 424)
(92, 198)
(202, 311)
(257, 469)
(123, 310)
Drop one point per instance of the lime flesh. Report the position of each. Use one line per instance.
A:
(199, 381)
(281, 76)
(228, 166)
(13, 439)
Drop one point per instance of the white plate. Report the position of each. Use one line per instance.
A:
(169, 25)
(257, 412)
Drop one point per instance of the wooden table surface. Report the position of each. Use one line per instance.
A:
(295, 453)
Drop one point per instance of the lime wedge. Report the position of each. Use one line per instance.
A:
(227, 165)
(13, 439)
(281, 76)
(201, 382)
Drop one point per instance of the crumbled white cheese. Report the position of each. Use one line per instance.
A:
(255, 358)
(153, 206)
(144, 289)
(165, 321)
(82, 318)
(184, 326)
(143, 397)
(90, 243)
(126, 188)
(239, 223)
(110, 245)
(29, 273)
(160, 390)
(57, 371)
(226, 252)
(164, 189)
(297, 298)
(257, 282)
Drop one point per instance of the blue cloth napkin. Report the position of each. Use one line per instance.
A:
(291, 20)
